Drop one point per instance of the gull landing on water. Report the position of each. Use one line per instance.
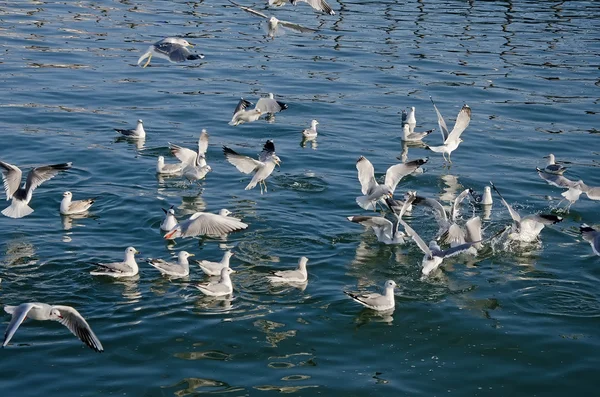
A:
(377, 301)
(66, 315)
(193, 164)
(21, 196)
(452, 138)
(319, 5)
(241, 115)
(273, 23)
(262, 168)
(171, 48)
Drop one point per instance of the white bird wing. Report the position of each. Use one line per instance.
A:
(366, 174)
(455, 207)
(296, 27)
(244, 164)
(417, 239)
(440, 213)
(39, 175)
(556, 180)
(185, 155)
(396, 172)
(11, 176)
(473, 227)
(462, 122)
(441, 122)
(79, 327)
(203, 143)
(250, 10)
(80, 205)
(115, 267)
(161, 264)
(268, 105)
(19, 313)
(211, 224)
(457, 250)
(320, 5)
(371, 221)
(513, 214)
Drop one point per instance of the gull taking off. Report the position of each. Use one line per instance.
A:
(552, 167)
(528, 228)
(452, 138)
(69, 207)
(592, 236)
(127, 268)
(376, 301)
(319, 5)
(179, 269)
(241, 115)
(21, 196)
(194, 167)
(274, 23)
(372, 190)
(137, 133)
(205, 223)
(299, 275)
(66, 315)
(262, 168)
(222, 288)
(171, 48)
(214, 268)
(270, 106)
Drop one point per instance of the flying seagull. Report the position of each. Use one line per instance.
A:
(241, 115)
(274, 23)
(452, 138)
(592, 236)
(319, 5)
(193, 163)
(262, 168)
(21, 196)
(172, 48)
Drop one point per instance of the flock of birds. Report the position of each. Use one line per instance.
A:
(456, 235)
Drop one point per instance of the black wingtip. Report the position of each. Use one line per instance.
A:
(552, 218)
(227, 151)
(269, 146)
(282, 105)
(164, 210)
(584, 228)
(193, 57)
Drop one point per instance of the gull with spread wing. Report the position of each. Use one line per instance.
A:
(179, 269)
(528, 228)
(270, 105)
(66, 315)
(372, 190)
(319, 5)
(574, 188)
(592, 236)
(374, 300)
(452, 138)
(205, 223)
(173, 49)
(241, 115)
(21, 196)
(262, 168)
(69, 207)
(127, 268)
(273, 23)
(194, 167)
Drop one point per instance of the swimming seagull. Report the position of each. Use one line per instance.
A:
(172, 48)
(552, 167)
(374, 300)
(269, 105)
(179, 269)
(137, 133)
(68, 207)
(222, 288)
(451, 139)
(262, 168)
(372, 190)
(66, 315)
(482, 199)
(205, 223)
(170, 221)
(299, 275)
(127, 268)
(433, 254)
(241, 115)
(167, 169)
(214, 268)
(21, 196)
(194, 167)
(274, 23)
(592, 236)
(528, 228)
(409, 122)
(311, 133)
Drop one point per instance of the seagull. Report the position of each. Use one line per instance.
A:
(552, 167)
(410, 119)
(311, 133)
(179, 269)
(386, 231)
(205, 223)
(194, 167)
(214, 268)
(482, 199)
(274, 23)
(528, 228)
(409, 122)
(172, 48)
(451, 139)
(574, 188)
(299, 275)
(66, 315)
(226, 212)
(170, 221)
(241, 115)
(433, 254)
(269, 105)
(68, 207)
(376, 301)
(222, 288)
(21, 196)
(167, 169)
(262, 168)
(127, 268)
(592, 236)
(137, 133)
(319, 5)
(372, 190)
